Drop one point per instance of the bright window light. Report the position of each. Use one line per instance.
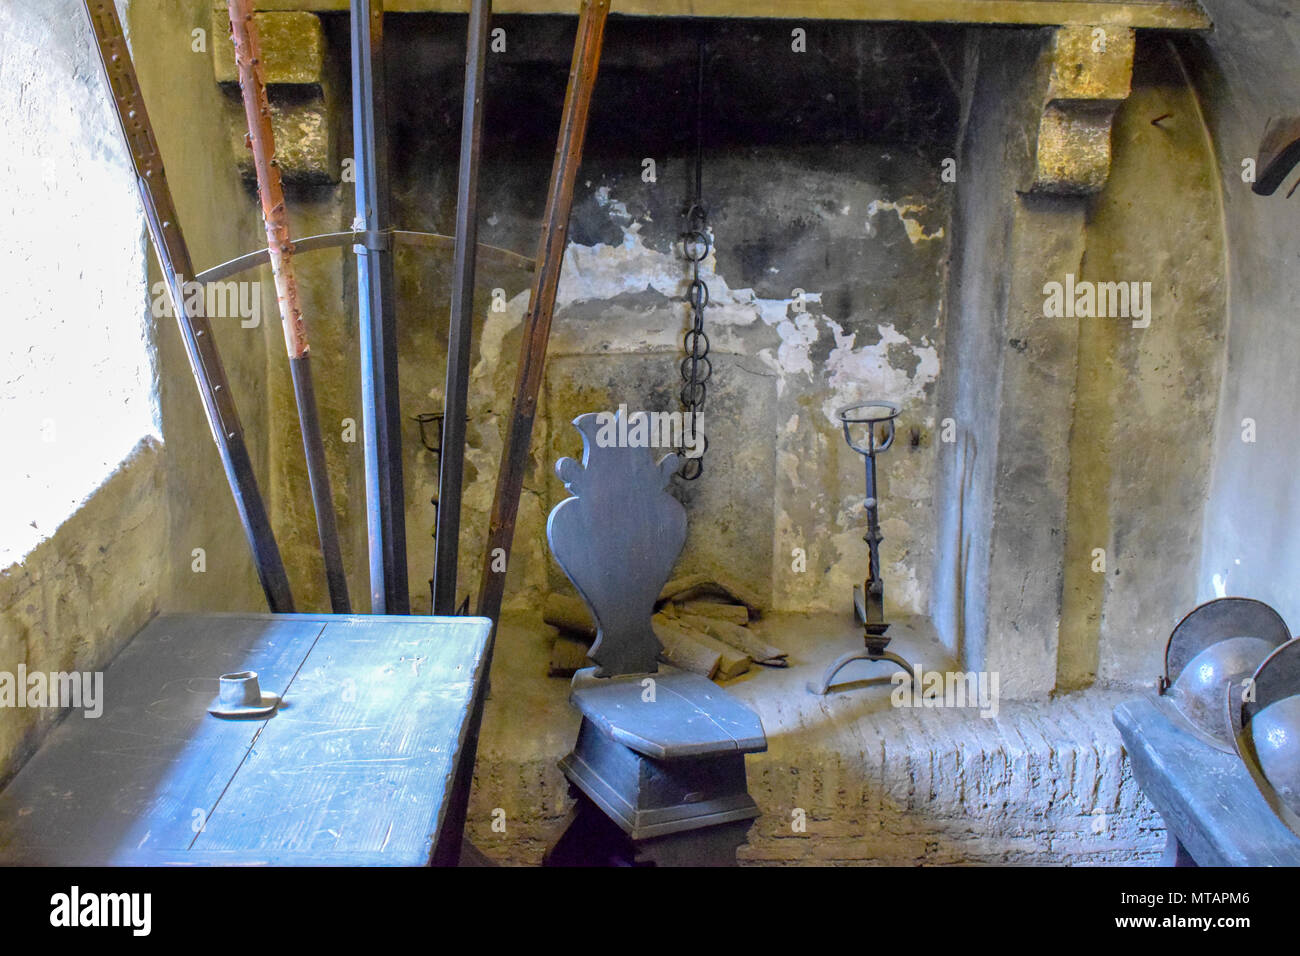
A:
(76, 379)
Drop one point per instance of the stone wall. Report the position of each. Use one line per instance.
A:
(1140, 446)
(72, 604)
(1070, 500)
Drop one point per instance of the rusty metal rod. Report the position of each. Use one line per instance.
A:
(261, 139)
(452, 457)
(537, 323)
(178, 270)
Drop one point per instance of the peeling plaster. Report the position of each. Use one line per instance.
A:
(603, 271)
(915, 231)
(628, 298)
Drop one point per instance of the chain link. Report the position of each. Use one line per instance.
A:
(696, 369)
(697, 243)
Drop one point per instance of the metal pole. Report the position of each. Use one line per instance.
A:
(257, 110)
(537, 324)
(452, 463)
(196, 332)
(385, 499)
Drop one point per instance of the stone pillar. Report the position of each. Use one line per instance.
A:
(1036, 141)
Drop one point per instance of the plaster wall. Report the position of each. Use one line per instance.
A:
(127, 549)
(1069, 503)
(219, 223)
(1246, 74)
(1141, 449)
(81, 557)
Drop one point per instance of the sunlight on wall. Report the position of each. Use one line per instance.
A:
(76, 381)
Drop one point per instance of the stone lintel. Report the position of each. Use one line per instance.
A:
(1091, 71)
(305, 148)
(296, 74)
(293, 48)
(1141, 14)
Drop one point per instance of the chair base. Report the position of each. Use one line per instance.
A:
(591, 838)
(649, 797)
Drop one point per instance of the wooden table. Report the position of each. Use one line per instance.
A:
(356, 767)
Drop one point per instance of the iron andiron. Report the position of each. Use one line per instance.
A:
(868, 597)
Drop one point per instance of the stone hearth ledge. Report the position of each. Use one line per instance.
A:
(1043, 782)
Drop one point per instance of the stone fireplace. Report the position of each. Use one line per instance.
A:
(888, 205)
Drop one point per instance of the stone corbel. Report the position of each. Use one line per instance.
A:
(295, 69)
(1091, 73)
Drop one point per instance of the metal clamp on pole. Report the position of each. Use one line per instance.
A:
(372, 240)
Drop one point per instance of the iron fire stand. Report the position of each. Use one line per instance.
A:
(868, 597)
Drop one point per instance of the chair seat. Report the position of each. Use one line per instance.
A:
(686, 716)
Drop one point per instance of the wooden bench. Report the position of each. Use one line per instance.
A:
(357, 766)
(1214, 814)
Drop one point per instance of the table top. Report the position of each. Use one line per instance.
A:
(355, 767)
(1205, 796)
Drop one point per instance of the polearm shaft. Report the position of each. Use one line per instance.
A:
(257, 110)
(376, 299)
(452, 456)
(537, 324)
(196, 332)
(532, 362)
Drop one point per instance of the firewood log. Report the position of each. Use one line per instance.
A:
(734, 613)
(570, 615)
(682, 649)
(731, 662)
(741, 638)
(690, 585)
(568, 655)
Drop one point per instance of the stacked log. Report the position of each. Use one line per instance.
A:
(702, 622)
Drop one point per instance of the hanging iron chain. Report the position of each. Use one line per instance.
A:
(696, 369)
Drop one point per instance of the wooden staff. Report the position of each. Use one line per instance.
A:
(537, 324)
(257, 109)
(178, 270)
(452, 457)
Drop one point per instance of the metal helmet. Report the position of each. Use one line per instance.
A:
(1269, 741)
(1217, 645)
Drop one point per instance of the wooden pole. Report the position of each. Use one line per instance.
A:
(452, 457)
(261, 139)
(537, 323)
(178, 271)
